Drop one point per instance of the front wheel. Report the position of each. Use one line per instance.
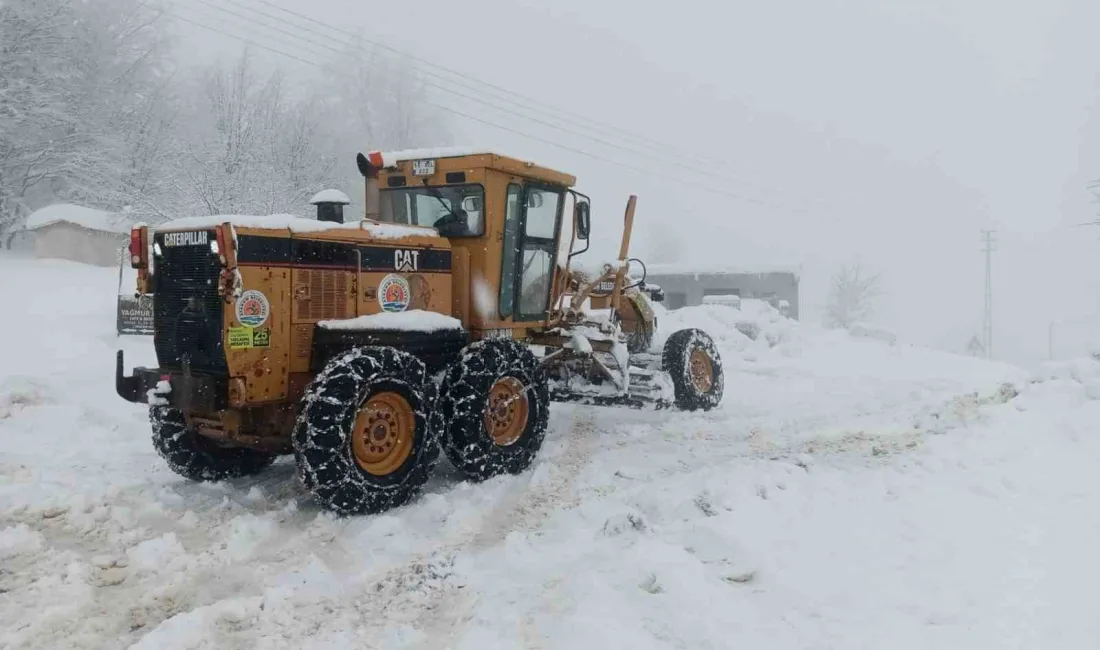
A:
(196, 457)
(691, 359)
(494, 404)
(364, 441)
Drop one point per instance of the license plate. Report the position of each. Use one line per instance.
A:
(605, 287)
(423, 167)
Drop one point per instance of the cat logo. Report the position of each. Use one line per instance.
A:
(406, 260)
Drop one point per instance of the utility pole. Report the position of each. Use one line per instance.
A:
(987, 321)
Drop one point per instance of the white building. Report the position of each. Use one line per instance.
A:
(73, 232)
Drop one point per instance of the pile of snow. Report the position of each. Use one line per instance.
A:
(377, 230)
(874, 332)
(754, 324)
(415, 320)
(846, 493)
(90, 218)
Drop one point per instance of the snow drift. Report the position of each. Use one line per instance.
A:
(847, 493)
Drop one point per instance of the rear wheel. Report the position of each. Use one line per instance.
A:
(494, 405)
(364, 441)
(692, 361)
(194, 456)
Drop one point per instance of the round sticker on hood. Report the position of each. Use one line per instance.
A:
(252, 308)
(394, 293)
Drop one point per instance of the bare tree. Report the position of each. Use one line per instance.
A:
(75, 82)
(852, 296)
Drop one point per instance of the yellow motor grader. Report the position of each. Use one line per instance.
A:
(450, 317)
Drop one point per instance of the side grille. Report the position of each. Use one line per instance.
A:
(320, 295)
(187, 312)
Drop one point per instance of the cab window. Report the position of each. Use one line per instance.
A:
(541, 213)
(454, 210)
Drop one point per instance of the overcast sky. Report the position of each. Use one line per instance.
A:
(821, 130)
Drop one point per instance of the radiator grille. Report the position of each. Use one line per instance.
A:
(187, 311)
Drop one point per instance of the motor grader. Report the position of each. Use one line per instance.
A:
(448, 318)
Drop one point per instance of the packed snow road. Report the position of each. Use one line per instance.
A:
(847, 494)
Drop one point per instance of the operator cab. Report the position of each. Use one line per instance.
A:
(514, 221)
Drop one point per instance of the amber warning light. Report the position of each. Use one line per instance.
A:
(138, 250)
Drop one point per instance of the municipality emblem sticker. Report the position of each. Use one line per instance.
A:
(253, 308)
(394, 293)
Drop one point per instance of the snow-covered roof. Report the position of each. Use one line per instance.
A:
(300, 225)
(704, 268)
(89, 218)
(391, 158)
(406, 321)
(330, 196)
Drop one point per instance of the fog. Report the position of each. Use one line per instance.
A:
(798, 134)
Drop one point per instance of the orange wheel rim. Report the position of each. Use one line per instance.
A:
(701, 369)
(506, 411)
(383, 436)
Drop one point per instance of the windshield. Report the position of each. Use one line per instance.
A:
(455, 210)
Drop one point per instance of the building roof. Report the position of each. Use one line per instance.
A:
(90, 218)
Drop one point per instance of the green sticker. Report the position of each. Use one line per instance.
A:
(240, 338)
(261, 338)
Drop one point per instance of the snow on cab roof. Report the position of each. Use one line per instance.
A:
(300, 225)
(90, 218)
(391, 158)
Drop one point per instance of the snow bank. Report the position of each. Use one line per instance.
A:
(89, 218)
(415, 320)
(845, 493)
(874, 332)
(294, 224)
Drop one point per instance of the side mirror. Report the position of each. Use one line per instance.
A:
(582, 216)
(471, 204)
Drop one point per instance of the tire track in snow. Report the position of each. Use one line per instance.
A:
(538, 494)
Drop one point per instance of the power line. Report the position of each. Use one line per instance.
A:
(448, 109)
(243, 40)
(477, 99)
(661, 146)
(250, 19)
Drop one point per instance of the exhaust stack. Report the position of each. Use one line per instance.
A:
(330, 205)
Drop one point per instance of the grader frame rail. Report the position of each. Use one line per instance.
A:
(447, 319)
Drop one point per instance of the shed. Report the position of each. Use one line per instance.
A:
(686, 285)
(73, 232)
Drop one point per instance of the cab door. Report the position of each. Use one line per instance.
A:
(537, 250)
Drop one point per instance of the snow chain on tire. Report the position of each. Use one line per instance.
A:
(676, 361)
(196, 457)
(323, 432)
(462, 403)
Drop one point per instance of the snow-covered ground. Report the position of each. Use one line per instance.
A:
(847, 494)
